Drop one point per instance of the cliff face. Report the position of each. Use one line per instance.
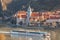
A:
(38, 5)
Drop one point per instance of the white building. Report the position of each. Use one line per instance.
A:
(26, 17)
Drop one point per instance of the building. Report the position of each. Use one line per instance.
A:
(28, 16)
(20, 17)
(35, 16)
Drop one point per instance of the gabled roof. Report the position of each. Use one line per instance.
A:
(23, 14)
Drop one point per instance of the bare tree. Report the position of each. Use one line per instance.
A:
(4, 4)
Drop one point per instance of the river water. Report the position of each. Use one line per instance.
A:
(55, 33)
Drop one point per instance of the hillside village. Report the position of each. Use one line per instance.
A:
(40, 13)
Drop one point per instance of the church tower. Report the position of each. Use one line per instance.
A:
(29, 11)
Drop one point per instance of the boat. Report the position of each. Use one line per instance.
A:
(39, 35)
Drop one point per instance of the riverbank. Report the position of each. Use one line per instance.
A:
(54, 32)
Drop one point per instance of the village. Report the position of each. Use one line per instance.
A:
(42, 18)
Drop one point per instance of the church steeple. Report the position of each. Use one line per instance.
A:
(29, 11)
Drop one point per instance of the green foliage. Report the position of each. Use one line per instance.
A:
(37, 5)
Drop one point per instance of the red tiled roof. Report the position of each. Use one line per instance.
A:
(35, 14)
(55, 17)
(23, 16)
(21, 12)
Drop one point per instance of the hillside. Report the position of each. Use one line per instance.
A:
(37, 5)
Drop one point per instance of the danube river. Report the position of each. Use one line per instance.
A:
(55, 33)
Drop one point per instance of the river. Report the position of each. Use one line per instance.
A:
(55, 33)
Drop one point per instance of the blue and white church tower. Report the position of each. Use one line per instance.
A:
(29, 11)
